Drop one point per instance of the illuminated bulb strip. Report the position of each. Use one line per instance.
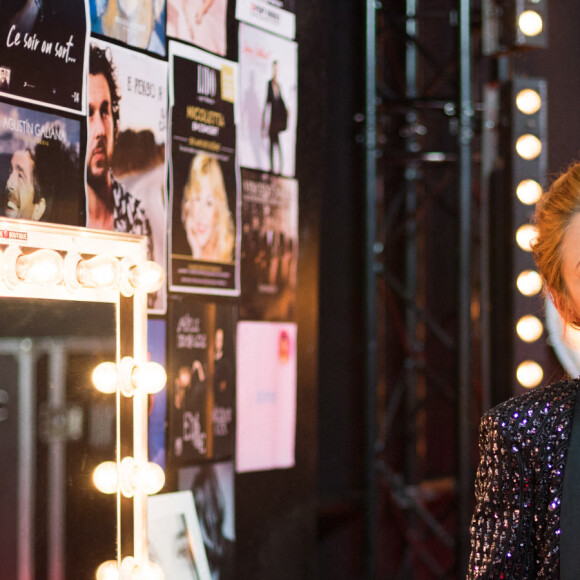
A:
(149, 478)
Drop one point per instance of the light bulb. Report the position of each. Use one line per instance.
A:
(526, 236)
(150, 376)
(148, 276)
(529, 191)
(528, 101)
(528, 146)
(98, 272)
(131, 570)
(530, 23)
(105, 377)
(529, 374)
(529, 328)
(149, 478)
(105, 477)
(108, 570)
(529, 283)
(42, 267)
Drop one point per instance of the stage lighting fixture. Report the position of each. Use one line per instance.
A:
(510, 25)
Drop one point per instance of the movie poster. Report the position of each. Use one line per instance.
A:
(43, 52)
(138, 23)
(41, 174)
(199, 22)
(135, 153)
(268, 101)
(212, 486)
(204, 237)
(201, 380)
(156, 332)
(266, 395)
(277, 16)
(269, 256)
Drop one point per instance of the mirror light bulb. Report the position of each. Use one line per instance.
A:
(98, 272)
(108, 571)
(529, 374)
(528, 101)
(530, 23)
(529, 191)
(105, 477)
(148, 277)
(43, 267)
(105, 377)
(149, 478)
(131, 570)
(526, 236)
(150, 376)
(529, 283)
(529, 328)
(528, 147)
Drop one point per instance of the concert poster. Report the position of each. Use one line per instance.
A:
(269, 255)
(201, 380)
(43, 50)
(268, 101)
(137, 23)
(205, 214)
(43, 149)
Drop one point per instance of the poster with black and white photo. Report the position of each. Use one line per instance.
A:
(199, 22)
(268, 101)
(201, 380)
(213, 489)
(277, 16)
(204, 236)
(138, 160)
(43, 48)
(41, 173)
(269, 256)
(138, 23)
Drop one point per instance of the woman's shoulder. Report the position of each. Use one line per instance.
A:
(548, 401)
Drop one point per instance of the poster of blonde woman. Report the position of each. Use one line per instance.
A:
(199, 22)
(204, 246)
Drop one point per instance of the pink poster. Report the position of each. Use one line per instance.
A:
(266, 396)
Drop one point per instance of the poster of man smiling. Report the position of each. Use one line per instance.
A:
(201, 380)
(40, 174)
(43, 48)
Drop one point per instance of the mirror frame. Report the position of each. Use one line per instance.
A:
(131, 340)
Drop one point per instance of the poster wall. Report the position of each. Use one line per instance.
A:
(137, 23)
(266, 397)
(268, 101)
(43, 52)
(40, 170)
(277, 16)
(204, 237)
(156, 333)
(202, 387)
(269, 256)
(126, 156)
(199, 22)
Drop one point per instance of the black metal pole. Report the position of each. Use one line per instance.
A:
(371, 507)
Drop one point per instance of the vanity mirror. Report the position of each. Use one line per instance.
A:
(74, 473)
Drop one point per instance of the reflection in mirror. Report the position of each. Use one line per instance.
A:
(55, 428)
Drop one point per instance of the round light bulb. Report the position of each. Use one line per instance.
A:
(529, 191)
(105, 477)
(529, 328)
(528, 101)
(148, 277)
(529, 282)
(529, 374)
(131, 570)
(526, 236)
(43, 267)
(530, 23)
(528, 147)
(105, 377)
(98, 272)
(108, 571)
(150, 376)
(148, 478)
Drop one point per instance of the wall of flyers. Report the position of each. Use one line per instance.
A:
(176, 120)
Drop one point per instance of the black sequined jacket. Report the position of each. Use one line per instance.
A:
(515, 529)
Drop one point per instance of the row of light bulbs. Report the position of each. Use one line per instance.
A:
(529, 328)
(45, 267)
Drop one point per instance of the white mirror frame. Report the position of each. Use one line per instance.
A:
(21, 237)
